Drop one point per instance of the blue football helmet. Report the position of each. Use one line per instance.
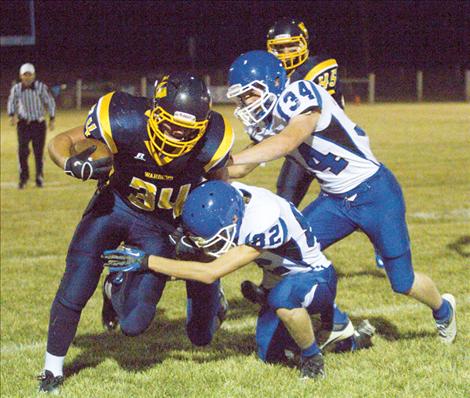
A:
(212, 215)
(258, 73)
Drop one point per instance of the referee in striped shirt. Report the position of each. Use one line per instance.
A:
(26, 108)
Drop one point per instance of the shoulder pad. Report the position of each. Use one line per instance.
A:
(214, 148)
(297, 98)
(320, 65)
(261, 214)
(97, 123)
(114, 116)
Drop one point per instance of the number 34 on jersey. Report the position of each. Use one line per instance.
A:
(145, 196)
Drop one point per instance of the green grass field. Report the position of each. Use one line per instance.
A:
(428, 148)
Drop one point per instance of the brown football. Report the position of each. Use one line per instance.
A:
(102, 150)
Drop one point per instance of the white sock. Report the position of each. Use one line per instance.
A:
(108, 289)
(54, 364)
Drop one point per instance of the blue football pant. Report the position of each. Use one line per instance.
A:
(105, 224)
(377, 208)
(312, 290)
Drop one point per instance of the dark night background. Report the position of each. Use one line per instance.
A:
(108, 39)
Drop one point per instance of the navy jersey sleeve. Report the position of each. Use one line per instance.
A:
(97, 124)
(115, 118)
(216, 144)
(322, 70)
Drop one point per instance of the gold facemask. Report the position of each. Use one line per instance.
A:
(290, 60)
(163, 145)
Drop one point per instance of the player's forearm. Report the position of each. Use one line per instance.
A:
(277, 146)
(59, 146)
(271, 148)
(194, 270)
(229, 262)
(241, 170)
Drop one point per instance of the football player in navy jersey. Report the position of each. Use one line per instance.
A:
(357, 191)
(161, 150)
(235, 225)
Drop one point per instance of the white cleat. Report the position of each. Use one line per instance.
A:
(339, 333)
(448, 329)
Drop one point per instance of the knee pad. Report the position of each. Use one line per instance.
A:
(400, 272)
(138, 320)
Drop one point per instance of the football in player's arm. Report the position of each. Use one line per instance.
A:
(357, 191)
(159, 150)
(237, 224)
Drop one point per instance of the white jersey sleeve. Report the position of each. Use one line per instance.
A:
(338, 150)
(276, 226)
(299, 97)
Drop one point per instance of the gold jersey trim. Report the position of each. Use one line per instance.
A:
(105, 124)
(320, 68)
(224, 147)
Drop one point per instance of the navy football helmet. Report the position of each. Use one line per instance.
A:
(260, 74)
(288, 41)
(212, 215)
(180, 115)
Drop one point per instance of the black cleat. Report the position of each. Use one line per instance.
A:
(254, 293)
(39, 182)
(109, 317)
(312, 367)
(49, 383)
(22, 184)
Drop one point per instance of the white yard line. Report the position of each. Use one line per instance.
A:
(394, 308)
(14, 348)
(457, 214)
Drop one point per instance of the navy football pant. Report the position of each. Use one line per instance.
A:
(293, 182)
(377, 208)
(314, 290)
(106, 223)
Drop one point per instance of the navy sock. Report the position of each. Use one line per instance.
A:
(311, 351)
(63, 325)
(443, 312)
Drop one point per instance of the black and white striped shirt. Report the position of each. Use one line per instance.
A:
(28, 102)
